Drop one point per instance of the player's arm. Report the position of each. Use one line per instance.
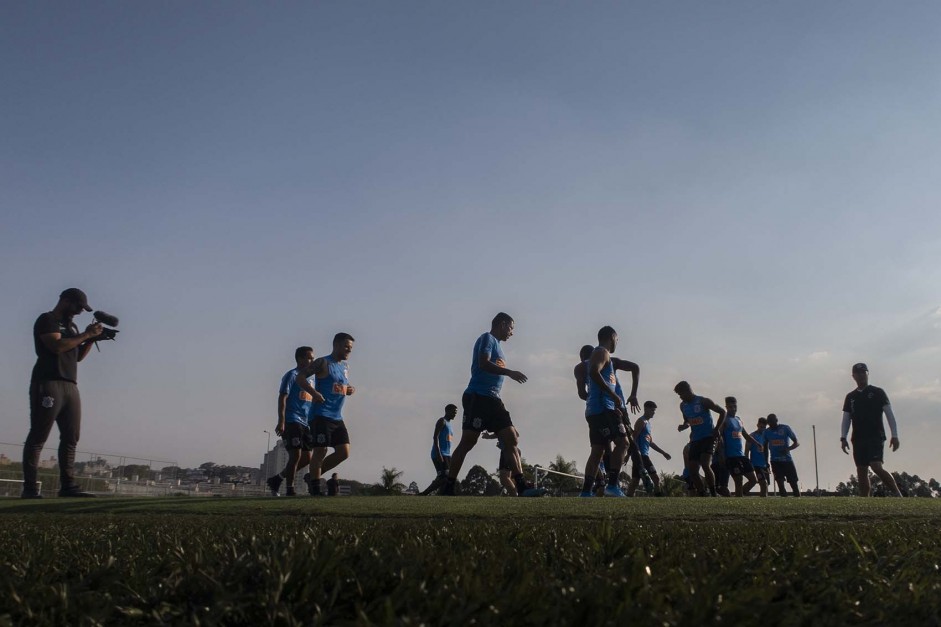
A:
(752, 440)
(318, 369)
(793, 437)
(581, 382)
(708, 404)
(634, 369)
(84, 348)
(483, 361)
(890, 418)
(58, 344)
(282, 405)
(487, 435)
(666, 455)
(685, 424)
(844, 431)
(437, 447)
(598, 360)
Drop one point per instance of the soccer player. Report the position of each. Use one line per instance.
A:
(332, 383)
(293, 407)
(505, 463)
(441, 448)
(864, 408)
(734, 437)
(483, 408)
(643, 440)
(333, 485)
(759, 460)
(605, 411)
(719, 469)
(697, 417)
(781, 441)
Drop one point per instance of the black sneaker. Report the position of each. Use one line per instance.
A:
(30, 494)
(74, 492)
(290, 492)
(274, 484)
(447, 489)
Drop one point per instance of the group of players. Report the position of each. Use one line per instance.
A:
(310, 420)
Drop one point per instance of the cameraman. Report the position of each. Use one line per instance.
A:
(53, 392)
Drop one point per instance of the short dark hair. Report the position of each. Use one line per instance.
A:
(682, 385)
(730, 399)
(770, 416)
(586, 351)
(342, 337)
(605, 333)
(650, 404)
(300, 350)
(501, 318)
(450, 406)
(763, 420)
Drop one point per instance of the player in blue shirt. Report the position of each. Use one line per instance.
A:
(483, 408)
(758, 456)
(703, 433)
(293, 405)
(332, 383)
(781, 441)
(606, 411)
(734, 437)
(441, 448)
(643, 439)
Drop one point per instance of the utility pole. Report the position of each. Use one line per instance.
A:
(816, 468)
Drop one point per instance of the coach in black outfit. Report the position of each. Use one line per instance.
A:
(864, 408)
(53, 389)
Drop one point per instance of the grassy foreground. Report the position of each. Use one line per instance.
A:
(440, 561)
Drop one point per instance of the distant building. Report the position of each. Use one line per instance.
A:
(4, 460)
(274, 461)
(52, 462)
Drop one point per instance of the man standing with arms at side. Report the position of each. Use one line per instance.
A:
(733, 439)
(643, 440)
(864, 408)
(53, 390)
(483, 408)
(293, 407)
(441, 448)
(781, 441)
(333, 485)
(332, 384)
(697, 417)
(759, 460)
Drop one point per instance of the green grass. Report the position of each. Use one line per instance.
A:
(495, 561)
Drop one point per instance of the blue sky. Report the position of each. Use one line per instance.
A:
(746, 192)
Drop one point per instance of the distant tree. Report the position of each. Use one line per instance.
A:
(413, 488)
(557, 484)
(141, 471)
(672, 485)
(909, 485)
(478, 482)
(170, 473)
(389, 481)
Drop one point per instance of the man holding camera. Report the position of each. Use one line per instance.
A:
(53, 389)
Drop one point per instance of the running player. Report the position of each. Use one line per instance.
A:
(781, 441)
(864, 408)
(643, 440)
(505, 463)
(605, 411)
(441, 448)
(293, 408)
(697, 417)
(327, 426)
(483, 409)
(759, 460)
(734, 436)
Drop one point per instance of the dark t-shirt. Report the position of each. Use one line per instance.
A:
(332, 487)
(865, 410)
(51, 366)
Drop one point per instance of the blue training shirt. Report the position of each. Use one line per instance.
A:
(757, 457)
(643, 439)
(698, 418)
(732, 437)
(444, 440)
(778, 440)
(482, 382)
(333, 387)
(297, 406)
(599, 402)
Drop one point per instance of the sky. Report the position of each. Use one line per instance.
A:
(746, 191)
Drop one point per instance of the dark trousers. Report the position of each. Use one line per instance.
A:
(52, 402)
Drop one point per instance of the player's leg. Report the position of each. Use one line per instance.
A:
(694, 478)
(441, 475)
(341, 452)
(791, 477)
(887, 478)
(705, 461)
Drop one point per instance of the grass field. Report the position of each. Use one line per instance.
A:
(484, 561)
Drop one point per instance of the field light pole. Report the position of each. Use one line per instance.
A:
(816, 468)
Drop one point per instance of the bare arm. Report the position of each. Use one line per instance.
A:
(318, 369)
(581, 382)
(58, 344)
(634, 369)
(598, 360)
(483, 361)
(708, 404)
(437, 447)
(752, 440)
(659, 450)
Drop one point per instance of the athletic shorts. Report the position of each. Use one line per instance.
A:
(784, 470)
(738, 466)
(605, 427)
(761, 473)
(328, 432)
(441, 466)
(868, 451)
(706, 446)
(648, 466)
(297, 436)
(484, 413)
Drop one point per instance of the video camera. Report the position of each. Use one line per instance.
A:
(108, 321)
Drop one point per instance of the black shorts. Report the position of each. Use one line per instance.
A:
(328, 432)
(441, 465)
(761, 473)
(868, 451)
(484, 413)
(648, 466)
(297, 436)
(738, 466)
(706, 446)
(605, 427)
(784, 470)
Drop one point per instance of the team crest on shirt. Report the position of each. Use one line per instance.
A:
(697, 408)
